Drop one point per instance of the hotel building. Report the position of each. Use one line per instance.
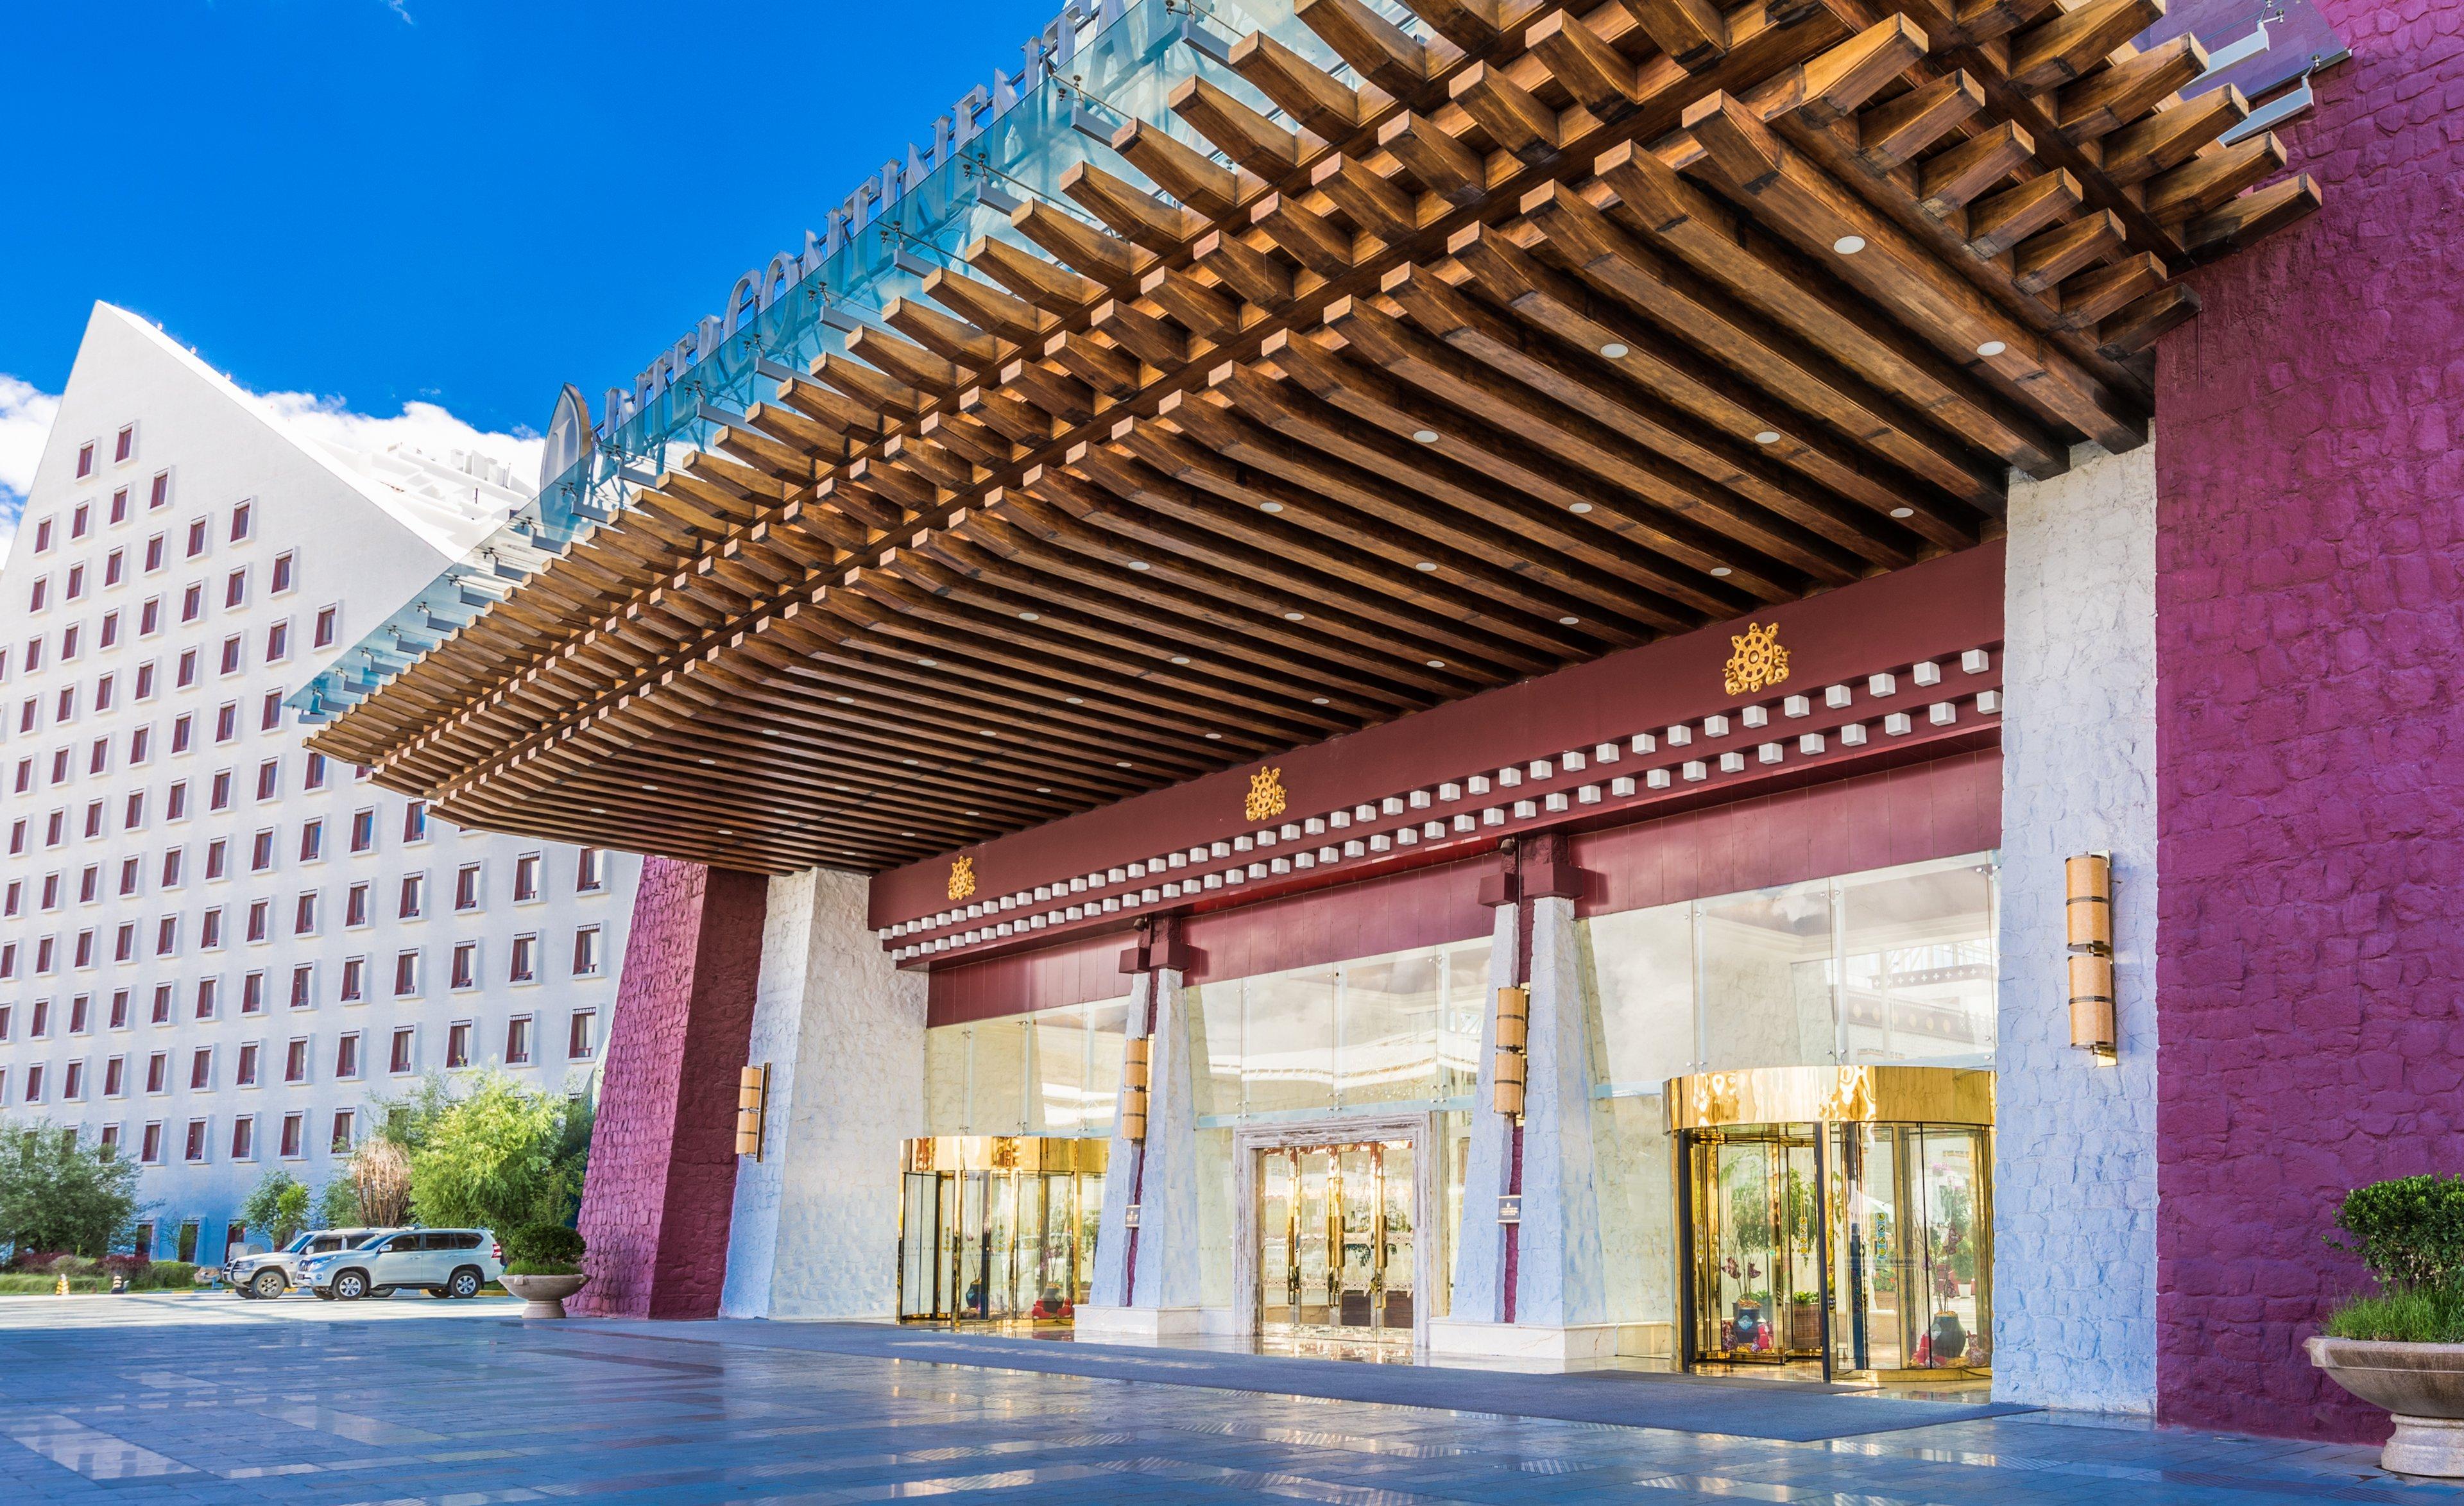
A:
(1756, 688)
(217, 947)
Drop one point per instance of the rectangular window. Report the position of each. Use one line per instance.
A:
(589, 871)
(244, 1138)
(107, 636)
(329, 626)
(457, 1043)
(526, 876)
(406, 974)
(277, 642)
(201, 1069)
(235, 589)
(175, 801)
(149, 617)
(215, 850)
(162, 1004)
(269, 713)
(261, 852)
(242, 516)
(149, 1145)
(415, 821)
(581, 1035)
(465, 887)
(192, 602)
(244, 1073)
(251, 994)
(413, 891)
(354, 905)
(73, 1081)
(294, 1060)
(209, 992)
(303, 977)
(145, 692)
(401, 1059)
(312, 840)
(124, 943)
(43, 539)
(109, 1139)
(586, 951)
(38, 593)
(196, 1140)
(466, 964)
(161, 495)
(268, 779)
(199, 537)
(344, 1121)
(187, 675)
(119, 1009)
(125, 445)
(232, 653)
(363, 830)
(295, 1130)
(85, 461)
(355, 975)
(76, 586)
(219, 796)
(284, 563)
(303, 915)
(158, 1073)
(115, 1077)
(35, 1084)
(120, 505)
(525, 960)
(80, 520)
(346, 1055)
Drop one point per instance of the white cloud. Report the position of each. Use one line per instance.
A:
(422, 426)
(25, 418)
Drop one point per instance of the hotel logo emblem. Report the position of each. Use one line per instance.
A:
(962, 878)
(1265, 795)
(1759, 662)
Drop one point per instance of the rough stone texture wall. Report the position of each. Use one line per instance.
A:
(778, 1024)
(2075, 1148)
(2308, 657)
(858, 1092)
(662, 1177)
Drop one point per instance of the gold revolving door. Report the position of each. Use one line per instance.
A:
(997, 1228)
(1837, 1222)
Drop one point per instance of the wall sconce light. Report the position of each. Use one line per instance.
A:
(1133, 1090)
(1513, 1033)
(2089, 923)
(752, 1109)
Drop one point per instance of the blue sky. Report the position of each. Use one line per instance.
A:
(459, 201)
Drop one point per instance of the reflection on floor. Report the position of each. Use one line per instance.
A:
(1947, 1385)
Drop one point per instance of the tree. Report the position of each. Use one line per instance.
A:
(56, 1194)
(338, 1206)
(279, 1207)
(380, 1173)
(499, 1156)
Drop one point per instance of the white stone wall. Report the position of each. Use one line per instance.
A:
(2075, 1173)
(855, 1090)
(778, 1025)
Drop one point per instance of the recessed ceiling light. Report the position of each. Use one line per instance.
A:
(909, 761)
(599, 811)
(930, 664)
(653, 788)
(1722, 571)
(1317, 701)
(1028, 616)
(1138, 564)
(1291, 616)
(988, 732)
(1903, 512)
(1426, 565)
(1270, 507)
(1992, 348)
(1436, 664)
(906, 834)
(1612, 350)
(1215, 737)
(1077, 700)
(707, 761)
(769, 732)
(975, 813)
(1123, 764)
(1425, 436)
(1580, 507)
(847, 700)
(1769, 436)
(724, 831)
(1043, 790)
(1568, 622)
(1181, 658)
(1849, 245)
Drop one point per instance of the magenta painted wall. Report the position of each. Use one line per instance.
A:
(656, 1204)
(2310, 561)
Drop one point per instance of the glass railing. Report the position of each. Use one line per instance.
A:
(1126, 70)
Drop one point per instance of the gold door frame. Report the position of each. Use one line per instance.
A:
(1417, 1129)
(957, 1162)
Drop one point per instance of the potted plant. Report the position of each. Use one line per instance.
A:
(2403, 1347)
(546, 1267)
(1804, 1321)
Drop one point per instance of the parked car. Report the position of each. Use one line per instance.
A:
(273, 1273)
(441, 1262)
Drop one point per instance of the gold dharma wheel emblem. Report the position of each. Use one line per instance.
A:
(1759, 662)
(1266, 800)
(962, 878)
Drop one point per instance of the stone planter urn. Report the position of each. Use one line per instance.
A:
(2422, 1385)
(543, 1296)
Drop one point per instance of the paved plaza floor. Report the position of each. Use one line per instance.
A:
(211, 1400)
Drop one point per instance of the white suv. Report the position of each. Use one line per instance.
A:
(269, 1276)
(441, 1262)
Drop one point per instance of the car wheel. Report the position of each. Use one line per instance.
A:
(466, 1283)
(350, 1286)
(266, 1285)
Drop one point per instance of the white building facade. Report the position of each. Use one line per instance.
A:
(218, 949)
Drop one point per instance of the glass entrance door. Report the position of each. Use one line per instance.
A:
(1840, 1251)
(995, 1229)
(1336, 1241)
(1757, 1240)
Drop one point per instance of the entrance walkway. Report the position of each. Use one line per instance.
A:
(214, 1401)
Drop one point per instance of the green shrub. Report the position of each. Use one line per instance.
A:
(540, 1250)
(2409, 1231)
(2409, 1315)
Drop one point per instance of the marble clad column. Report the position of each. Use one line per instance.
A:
(1480, 1248)
(1561, 1271)
(1161, 1297)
